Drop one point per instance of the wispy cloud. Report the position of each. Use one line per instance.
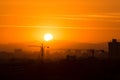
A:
(109, 17)
(71, 17)
(64, 27)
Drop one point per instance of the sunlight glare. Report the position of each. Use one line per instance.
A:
(48, 37)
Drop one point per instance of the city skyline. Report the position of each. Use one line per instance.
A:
(59, 39)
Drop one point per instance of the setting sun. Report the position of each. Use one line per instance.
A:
(48, 37)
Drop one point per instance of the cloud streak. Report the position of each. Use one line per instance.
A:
(75, 17)
(57, 27)
(110, 17)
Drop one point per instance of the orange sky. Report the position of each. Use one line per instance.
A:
(72, 20)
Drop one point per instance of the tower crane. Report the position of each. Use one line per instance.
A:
(42, 51)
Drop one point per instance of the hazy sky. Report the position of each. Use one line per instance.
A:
(74, 20)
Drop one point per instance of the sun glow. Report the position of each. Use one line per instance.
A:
(48, 37)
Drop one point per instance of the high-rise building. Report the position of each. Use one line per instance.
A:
(114, 48)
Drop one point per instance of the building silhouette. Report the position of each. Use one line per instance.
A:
(19, 54)
(18, 51)
(114, 48)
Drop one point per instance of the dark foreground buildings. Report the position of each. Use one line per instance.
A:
(114, 48)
